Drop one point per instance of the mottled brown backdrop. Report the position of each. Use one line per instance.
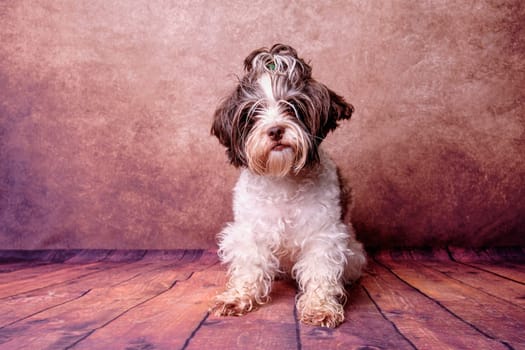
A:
(105, 108)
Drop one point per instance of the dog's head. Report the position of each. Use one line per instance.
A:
(278, 115)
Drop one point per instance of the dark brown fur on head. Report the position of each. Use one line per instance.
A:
(315, 108)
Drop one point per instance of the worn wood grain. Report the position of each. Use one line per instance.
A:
(62, 326)
(512, 271)
(272, 326)
(488, 255)
(31, 256)
(56, 275)
(496, 318)
(508, 263)
(484, 280)
(20, 306)
(419, 318)
(108, 299)
(16, 260)
(82, 264)
(27, 265)
(166, 321)
(19, 266)
(364, 328)
(27, 270)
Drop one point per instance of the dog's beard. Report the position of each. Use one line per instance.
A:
(280, 163)
(271, 158)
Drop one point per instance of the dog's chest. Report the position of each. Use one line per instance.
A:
(284, 203)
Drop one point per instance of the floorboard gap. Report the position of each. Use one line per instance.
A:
(388, 320)
(194, 332)
(471, 286)
(491, 272)
(297, 325)
(89, 333)
(445, 308)
(46, 309)
(56, 284)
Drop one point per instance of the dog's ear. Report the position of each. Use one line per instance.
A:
(339, 108)
(325, 110)
(222, 122)
(225, 128)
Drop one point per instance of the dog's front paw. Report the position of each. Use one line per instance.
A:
(323, 318)
(324, 313)
(228, 304)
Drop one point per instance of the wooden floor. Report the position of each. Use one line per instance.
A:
(159, 300)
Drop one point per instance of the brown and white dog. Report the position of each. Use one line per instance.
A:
(287, 201)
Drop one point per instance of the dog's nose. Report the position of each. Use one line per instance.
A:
(275, 133)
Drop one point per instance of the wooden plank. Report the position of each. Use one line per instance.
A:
(82, 256)
(493, 317)
(55, 262)
(480, 279)
(62, 326)
(89, 256)
(125, 255)
(163, 255)
(364, 328)
(506, 262)
(490, 255)
(12, 271)
(23, 305)
(43, 276)
(56, 274)
(16, 260)
(167, 321)
(32, 272)
(272, 326)
(138, 306)
(511, 271)
(424, 322)
(8, 256)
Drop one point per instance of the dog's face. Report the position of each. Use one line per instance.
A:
(277, 116)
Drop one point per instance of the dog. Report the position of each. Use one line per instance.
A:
(287, 200)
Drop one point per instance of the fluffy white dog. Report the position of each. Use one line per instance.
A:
(287, 201)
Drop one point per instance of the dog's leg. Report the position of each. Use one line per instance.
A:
(322, 294)
(355, 260)
(252, 268)
(249, 285)
(320, 272)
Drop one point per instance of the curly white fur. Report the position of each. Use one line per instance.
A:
(290, 224)
(287, 202)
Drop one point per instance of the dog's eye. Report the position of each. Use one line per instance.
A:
(294, 110)
(270, 65)
(247, 120)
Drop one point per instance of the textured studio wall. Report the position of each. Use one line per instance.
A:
(105, 109)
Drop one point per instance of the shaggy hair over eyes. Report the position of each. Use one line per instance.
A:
(315, 108)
